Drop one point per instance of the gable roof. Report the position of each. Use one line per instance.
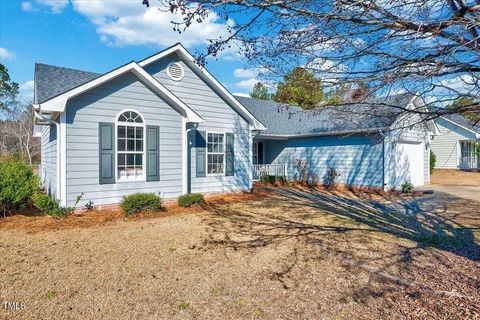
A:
(285, 121)
(179, 49)
(52, 81)
(57, 102)
(463, 122)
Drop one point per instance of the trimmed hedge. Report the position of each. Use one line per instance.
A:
(272, 179)
(17, 185)
(189, 199)
(137, 202)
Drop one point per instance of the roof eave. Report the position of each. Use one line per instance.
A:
(320, 134)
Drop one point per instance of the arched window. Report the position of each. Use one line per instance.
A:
(130, 146)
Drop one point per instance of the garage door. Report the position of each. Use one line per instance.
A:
(408, 163)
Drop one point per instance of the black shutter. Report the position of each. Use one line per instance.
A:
(153, 153)
(201, 151)
(230, 154)
(106, 147)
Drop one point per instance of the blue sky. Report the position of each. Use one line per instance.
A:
(96, 35)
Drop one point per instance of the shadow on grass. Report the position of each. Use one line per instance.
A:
(440, 221)
(356, 237)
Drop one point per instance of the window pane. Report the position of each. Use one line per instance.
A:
(121, 159)
(130, 145)
(130, 132)
(130, 159)
(122, 118)
(121, 144)
(138, 160)
(139, 133)
(121, 131)
(139, 145)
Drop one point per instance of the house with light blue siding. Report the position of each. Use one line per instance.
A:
(166, 125)
(455, 143)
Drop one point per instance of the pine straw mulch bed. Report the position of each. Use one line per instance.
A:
(32, 220)
(290, 253)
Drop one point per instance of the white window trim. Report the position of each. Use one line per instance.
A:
(224, 154)
(144, 164)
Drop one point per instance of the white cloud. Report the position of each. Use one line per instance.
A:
(249, 73)
(27, 6)
(247, 84)
(245, 73)
(463, 84)
(57, 6)
(26, 90)
(6, 54)
(129, 23)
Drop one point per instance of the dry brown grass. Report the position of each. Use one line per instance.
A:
(293, 254)
(455, 177)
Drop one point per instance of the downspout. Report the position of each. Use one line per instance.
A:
(383, 159)
(187, 154)
(57, 124)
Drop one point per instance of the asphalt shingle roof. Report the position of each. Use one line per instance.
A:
(464, 122)
(281, 119)
(51, 81)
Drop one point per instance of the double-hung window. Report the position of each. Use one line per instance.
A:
(215, 153)
(130, 146)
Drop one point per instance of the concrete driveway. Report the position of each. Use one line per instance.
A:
(462, 184)
(466, 192)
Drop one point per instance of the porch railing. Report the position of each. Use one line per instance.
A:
(469, 163)
(278, 170)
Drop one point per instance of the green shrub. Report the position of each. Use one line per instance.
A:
(139, 202)
(189, 199)
(280, 179)
(47, 204)
(267, 179)
(433, 161)
(51, 206)
(17, 185)
(407, 187)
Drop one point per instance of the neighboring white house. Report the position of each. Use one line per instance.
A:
(454, 146)
(166, 125)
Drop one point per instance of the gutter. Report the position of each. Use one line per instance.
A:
(41, 117)
(383, 159)
(320, 134)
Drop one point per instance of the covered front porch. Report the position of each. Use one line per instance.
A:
(262, 161)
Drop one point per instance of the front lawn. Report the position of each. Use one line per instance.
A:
(294, 254)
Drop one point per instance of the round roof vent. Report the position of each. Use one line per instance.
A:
(175, 71)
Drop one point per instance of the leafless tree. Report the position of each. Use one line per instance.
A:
(16, 134)
(429, 47)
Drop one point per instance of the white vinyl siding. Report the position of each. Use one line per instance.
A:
(219, 116)
(446, 145)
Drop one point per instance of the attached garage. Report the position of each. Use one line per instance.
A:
(409, 162)
(376, 147)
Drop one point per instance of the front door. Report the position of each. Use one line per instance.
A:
(257, 150)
